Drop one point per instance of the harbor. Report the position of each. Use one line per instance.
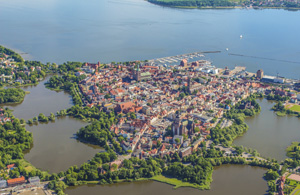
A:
(173, 60)
(205, 65)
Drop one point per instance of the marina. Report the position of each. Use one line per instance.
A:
(173, 60)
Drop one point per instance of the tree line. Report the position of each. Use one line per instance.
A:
(11, 95)
(17, 57)
(69, 83)
(194, 3)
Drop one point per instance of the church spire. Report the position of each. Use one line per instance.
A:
(189, 80)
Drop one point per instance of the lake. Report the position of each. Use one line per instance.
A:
(122, 30)
(270, 134)
(54, 146)
(40, 100)
(227, 180)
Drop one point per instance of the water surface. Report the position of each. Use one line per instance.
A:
(270, 134)
(227, 180)
(121, 30)
(55, 148)
(40, 100)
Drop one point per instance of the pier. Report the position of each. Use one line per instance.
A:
(165, 61)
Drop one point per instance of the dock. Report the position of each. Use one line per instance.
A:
(165, 61)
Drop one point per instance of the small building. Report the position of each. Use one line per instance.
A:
(34, 180)
(245, 105)
(146, 110)
(196, 144)
(10, 166)
(3, 184)
(185, 152)
(215, 71)
(16, 181)
(279, 80)
(178, 137)
(126, 146)
(203, 118)
(268, 79)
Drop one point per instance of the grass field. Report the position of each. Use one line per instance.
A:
(280, 113)
(178, 183)
(296, 191)
(295, 108)
(27, 165)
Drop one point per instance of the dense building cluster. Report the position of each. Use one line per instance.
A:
(165, 110)
(141, 110)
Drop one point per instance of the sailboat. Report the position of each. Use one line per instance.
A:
(241, 36)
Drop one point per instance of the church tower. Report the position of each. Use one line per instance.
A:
(137, 73)
(189, 84)
(176, 126)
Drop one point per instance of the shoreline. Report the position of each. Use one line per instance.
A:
(225, 7)
(157, 178)
(23, 54)
(178, 183)
(237, 7)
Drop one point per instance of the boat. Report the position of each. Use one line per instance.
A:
(241, 36)
(227, 49)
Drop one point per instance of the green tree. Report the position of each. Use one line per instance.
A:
(271, 175)
(52, 117)
(42, 118)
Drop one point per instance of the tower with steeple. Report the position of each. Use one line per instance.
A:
(137, 73)
(176, 125)
(189, 82)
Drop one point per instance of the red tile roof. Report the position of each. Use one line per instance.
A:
(10, 166)
(16, 180)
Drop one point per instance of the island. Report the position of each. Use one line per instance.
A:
(228, 4)
(171, 124)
